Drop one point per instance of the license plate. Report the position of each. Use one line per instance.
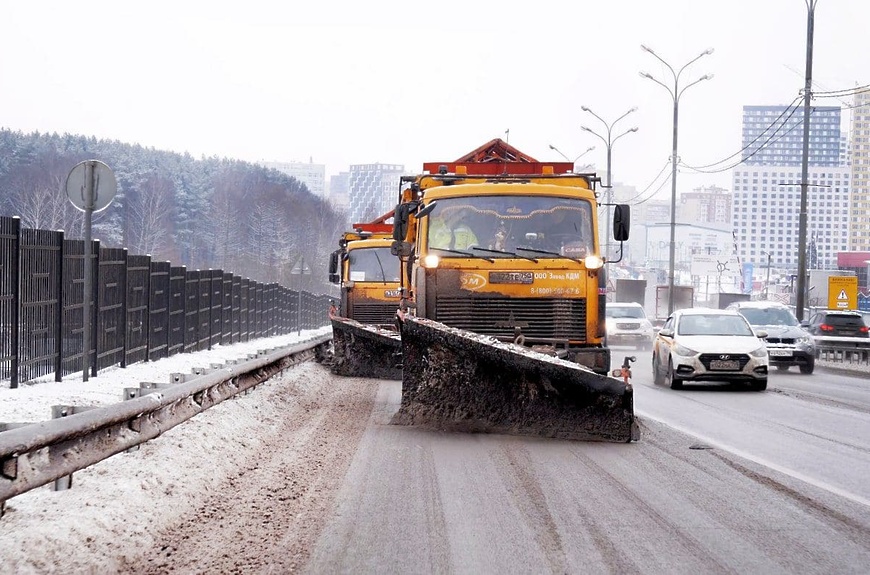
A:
(511, 278)
(392, 293)
(779, 353)
(724, 365)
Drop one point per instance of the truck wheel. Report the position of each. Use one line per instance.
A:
(673, 380)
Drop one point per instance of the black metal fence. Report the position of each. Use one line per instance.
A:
(141, 311)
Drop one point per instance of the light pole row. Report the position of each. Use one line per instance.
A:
(675, 93)
(608, 141)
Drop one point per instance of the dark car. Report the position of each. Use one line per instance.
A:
(834, 323)
(788, 343)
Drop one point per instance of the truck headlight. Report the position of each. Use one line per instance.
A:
(593, 262)
(431, 261)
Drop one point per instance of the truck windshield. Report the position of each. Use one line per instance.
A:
(562, 226)
(373, 265)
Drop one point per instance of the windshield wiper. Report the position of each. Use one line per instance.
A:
(505, 252)
(466, 254)
(548, 253)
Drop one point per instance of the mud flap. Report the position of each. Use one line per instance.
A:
(461, 381)
(362, 350)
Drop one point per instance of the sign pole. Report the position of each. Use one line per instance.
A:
(90, 186)
(87, 290)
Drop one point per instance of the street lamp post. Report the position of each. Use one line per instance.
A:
(800, 300)
(608, 141)
(574, 162)
(767, 281)
(675, 93)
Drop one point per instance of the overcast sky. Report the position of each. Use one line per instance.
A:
(406, 82)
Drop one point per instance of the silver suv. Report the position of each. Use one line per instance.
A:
(788, 343)
(627, 324)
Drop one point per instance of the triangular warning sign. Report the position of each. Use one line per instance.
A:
(842, 295)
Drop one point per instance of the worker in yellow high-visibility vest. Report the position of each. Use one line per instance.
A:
(451, 232)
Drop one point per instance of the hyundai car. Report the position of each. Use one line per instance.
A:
(788, 344)
(700, 344)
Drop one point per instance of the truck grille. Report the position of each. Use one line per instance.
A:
(560, 319)
(375, 313)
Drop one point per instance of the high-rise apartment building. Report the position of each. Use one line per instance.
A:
(773, 135)
(767, 187)
(373, 190)
(859, 224)
(766, 210)
(311, 174)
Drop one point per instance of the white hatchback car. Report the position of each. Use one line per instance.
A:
(709, 344)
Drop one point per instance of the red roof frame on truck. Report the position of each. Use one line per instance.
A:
(376, 226)
(497, 157)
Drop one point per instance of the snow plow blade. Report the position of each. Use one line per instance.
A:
(362, 350)
(460, 381)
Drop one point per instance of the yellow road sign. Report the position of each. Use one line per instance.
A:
(843, 292)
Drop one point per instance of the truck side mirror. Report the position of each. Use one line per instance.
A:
(401, 249)
(334, 277)
(621, 222)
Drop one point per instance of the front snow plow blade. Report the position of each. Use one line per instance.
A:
(457, 380)
(365, 351)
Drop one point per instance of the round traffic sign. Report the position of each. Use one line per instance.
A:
(85, 196)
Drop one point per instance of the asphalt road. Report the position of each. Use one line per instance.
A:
(722, 481)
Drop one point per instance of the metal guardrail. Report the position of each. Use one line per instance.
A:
(37, 454)
(852, 350)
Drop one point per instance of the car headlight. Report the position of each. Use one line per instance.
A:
(759, 352)
(431, 261)
(808, 340)
(683, 350)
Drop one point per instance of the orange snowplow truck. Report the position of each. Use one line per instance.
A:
(367, 273)
(365, 340)
(503, 293)
(502, 245)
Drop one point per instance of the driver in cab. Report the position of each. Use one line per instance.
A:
(451, 231)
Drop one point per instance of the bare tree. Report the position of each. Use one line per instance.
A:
(149, 211)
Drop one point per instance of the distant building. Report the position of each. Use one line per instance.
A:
(706, 205)
(766, 188)
(311, 174)
(773, 135)
(859, 223)
(766, 208)
(373, 190)
(339, 185)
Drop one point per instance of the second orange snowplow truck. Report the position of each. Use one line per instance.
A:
(365, 339)
(503, 299)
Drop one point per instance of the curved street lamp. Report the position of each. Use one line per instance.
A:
(675, 93)
(608, 141)
(574, 161)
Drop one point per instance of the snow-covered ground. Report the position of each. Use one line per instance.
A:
(46, 531)
(32, 401)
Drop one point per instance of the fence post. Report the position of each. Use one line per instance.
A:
(15, 304)
(58, 333)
